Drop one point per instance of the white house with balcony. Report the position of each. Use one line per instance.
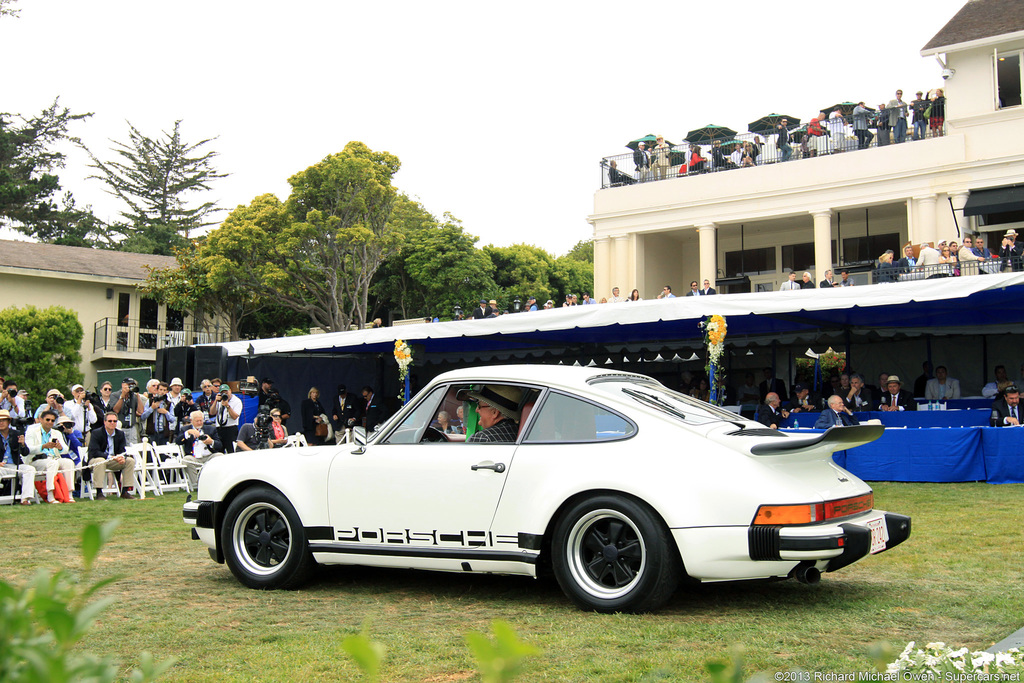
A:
(744, 229)
(122, 326)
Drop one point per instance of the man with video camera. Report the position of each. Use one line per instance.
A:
(226, 410)
(157, 416)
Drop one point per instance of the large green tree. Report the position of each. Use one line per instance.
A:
(163, 182)
(522, 270)
(324, 262)
(393, 288)
(221, 275)
(30, 155)
(40, 348)
(448, 269)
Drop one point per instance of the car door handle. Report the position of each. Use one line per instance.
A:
(497, 467)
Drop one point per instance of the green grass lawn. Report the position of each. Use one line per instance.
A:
(958, 579)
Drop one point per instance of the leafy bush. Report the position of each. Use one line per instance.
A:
(42, 622)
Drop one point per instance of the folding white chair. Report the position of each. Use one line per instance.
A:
(88, 488)
(8, 486)
(295, 440)
(146, 464)
(171, 468)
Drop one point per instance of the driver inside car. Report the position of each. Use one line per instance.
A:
(498, 409)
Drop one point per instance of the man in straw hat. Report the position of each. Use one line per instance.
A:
(895, 398)
(498, 408)
(13, 456)
(1011, 252)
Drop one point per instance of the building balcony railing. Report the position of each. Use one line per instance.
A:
(896, 273)
(130, 336)
(754, 150)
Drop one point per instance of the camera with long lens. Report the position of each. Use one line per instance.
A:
(12, 392)
(222, 395)
(93, 398)
(262, 424)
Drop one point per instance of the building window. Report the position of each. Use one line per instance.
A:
(149, 315)
(124, 301)
(750, 262)
(869, 247)
(1008, 79)
(798, 256)
(175, 320)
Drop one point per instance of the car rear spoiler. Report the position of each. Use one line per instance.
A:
(837, 438)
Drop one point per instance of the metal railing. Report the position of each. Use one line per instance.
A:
(130, 335)
(754, 150)
(897, 273)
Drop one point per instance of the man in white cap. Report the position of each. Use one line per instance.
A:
(173, 398)
(54, 402)
(894, 398)
(80, 410)
(498, 409)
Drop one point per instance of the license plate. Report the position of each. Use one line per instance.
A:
(879, 534)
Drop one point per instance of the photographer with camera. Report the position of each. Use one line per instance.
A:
(80, 410)
(226, 410)
(156, 419)
(129, 407)
(200, 443)
(262, 433)
(54, 402)
(182, 409)
(173, 399)
(14, 458)
(12, 402)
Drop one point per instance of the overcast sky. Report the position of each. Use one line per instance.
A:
(499, 112)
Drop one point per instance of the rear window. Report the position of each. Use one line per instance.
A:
(566, 419)
(651, 394)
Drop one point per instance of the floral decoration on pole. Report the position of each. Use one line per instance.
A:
(403, 356)
(714, 338)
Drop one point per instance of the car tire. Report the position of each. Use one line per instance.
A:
(612, 553)
(264, 540)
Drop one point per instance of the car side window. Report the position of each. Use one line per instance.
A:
(566, 419)
(415, 424)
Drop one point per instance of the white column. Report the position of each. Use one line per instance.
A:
(822, 243)
(924, 217)
(602, 268)
(708, 254)
(620, 271)
(959, 202)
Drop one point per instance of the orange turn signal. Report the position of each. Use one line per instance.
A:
(809, 513)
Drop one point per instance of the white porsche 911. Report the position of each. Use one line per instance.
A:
(620, 486)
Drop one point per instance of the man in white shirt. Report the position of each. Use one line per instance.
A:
(200, 443)
(941, 387)
(225, 412)
(45, 447)
(173, 398)
(80, 411)
(992, 389)
(615, 296)
(12, 402)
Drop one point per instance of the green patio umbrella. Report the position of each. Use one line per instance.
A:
(709, 133)
(650, 140)
(766, 124)
(845, 107)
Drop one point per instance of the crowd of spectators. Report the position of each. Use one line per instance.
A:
(841, 128)
(64, 441)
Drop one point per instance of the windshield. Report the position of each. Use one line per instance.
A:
(659, 397)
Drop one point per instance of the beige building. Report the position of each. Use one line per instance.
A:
(121, 326)
(744, 229)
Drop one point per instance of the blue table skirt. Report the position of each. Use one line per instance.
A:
(907, 418)
(992, 454)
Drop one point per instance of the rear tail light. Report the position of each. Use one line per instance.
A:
(809, 513)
